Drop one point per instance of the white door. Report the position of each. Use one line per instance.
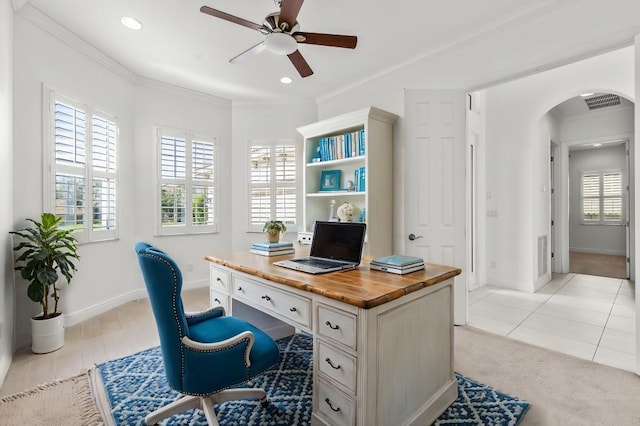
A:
(435, 183)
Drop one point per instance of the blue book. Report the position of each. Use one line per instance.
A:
(362, 186)
(323, 149)
(272, 246)
(361, 142)
(398, 261)
(347, 145)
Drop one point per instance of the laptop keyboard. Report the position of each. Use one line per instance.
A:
(318, 263)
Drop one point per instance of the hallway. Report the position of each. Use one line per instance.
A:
(586, 316)
(602, 265)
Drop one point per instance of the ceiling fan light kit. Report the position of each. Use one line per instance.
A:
(282, 35)
(280, 43)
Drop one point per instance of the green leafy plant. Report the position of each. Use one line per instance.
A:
(275, 226)
(45, 251)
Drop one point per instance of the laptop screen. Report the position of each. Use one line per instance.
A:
(338, 240)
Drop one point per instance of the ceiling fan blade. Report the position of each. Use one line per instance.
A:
(333, 40)
(301, 65)
(289, 12)
(250, 52)
(227, 17)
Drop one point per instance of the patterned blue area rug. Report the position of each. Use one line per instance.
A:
(135, 386)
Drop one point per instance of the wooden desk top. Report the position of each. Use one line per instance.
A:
(362, 287)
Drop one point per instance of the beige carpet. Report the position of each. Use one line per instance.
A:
(561, 389)
(65, 402)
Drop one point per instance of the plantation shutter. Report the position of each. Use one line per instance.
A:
(591, 197)
(103, 155)
(602, 197)
(273, 185)
(285, 202)
(187, 183)
(70, 134)
(82, 155)
(612, 196)
(202, 199)
(173, 166)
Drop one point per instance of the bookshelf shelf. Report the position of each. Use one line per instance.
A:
(336, 194)
(338, 162)
(366, 162)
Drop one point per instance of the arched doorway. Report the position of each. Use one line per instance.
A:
(590, 196)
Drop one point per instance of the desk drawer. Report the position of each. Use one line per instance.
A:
(220, 279)
(335, 406)
(337, 325)
(291, 306)
(219, 299)
(337, 365)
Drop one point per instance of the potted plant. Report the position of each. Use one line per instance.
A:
(45, 252)
(273, 229)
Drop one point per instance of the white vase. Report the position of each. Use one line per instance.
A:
(47, 335)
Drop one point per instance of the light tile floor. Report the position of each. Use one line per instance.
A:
(581, 315)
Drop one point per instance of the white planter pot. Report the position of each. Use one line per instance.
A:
(47, 335)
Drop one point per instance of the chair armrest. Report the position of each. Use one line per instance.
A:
(245, 336)
(197, 317)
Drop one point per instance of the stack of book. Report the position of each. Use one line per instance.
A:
(397, 264)
(272, 249)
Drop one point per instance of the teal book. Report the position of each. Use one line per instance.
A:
(397, 260)
(272, 246)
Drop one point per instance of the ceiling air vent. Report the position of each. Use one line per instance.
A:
(602, 101)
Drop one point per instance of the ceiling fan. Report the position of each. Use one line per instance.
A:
(282, 35)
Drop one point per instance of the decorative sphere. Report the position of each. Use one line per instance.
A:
(348, 212)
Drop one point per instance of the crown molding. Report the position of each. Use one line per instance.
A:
(180, 91)
(45, 23)
(18, 4)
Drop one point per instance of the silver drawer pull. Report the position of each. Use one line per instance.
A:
(328, 360)
(328, 401)
(267, 298)
(293, 309)
(331, 326)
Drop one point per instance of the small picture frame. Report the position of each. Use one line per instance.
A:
(330, 180)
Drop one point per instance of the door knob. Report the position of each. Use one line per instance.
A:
(414, 237)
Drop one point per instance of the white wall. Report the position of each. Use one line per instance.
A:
(6, 186)
(514, 134)
(603, 239)
(164, 106)
(262, 122)
(108, 273)
(517, 138)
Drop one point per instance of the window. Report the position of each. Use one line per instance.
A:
(272, 180)
(602, 197)
(186, 183)
(82, 157)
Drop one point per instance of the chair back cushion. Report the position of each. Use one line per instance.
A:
(163, 280)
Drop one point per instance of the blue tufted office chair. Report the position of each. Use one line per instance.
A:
(206, 353)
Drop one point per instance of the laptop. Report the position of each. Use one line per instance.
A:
(335, 246)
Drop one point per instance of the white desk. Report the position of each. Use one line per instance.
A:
(383, 343)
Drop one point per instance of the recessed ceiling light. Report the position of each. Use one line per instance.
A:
(584, 95)
(132, 23)
(286, 80)
(597, 144)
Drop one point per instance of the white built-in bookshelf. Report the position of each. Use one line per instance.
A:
(358, 147)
